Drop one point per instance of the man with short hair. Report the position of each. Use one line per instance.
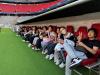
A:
(74, 56)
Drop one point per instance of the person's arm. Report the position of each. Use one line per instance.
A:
(91, 50)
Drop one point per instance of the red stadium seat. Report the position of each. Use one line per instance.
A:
(70, 28)
(88, 61)
(90, 64)
(84, 31)
(65, 54)
(91, 60)
(12, 8)
(54, 28)
(97, 27)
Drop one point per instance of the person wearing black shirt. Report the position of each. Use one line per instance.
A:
(86, 48)
(91, 44)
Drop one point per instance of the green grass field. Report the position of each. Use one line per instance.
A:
(17, 59)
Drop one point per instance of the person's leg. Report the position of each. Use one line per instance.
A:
(56, 58)
(27, 37)
(75, 55)
(50, 51)
(56, 53)
(31, 38)
(70, 50)
(35, 40)
(48, 47)
(81, 55)
(38, 44)
(68, 63)
(43, 45)
(51, 48)
(63, 59)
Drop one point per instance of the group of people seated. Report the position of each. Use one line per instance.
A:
(65, 48)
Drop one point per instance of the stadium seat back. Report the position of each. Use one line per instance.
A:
(70, 28)
(84, 31)
(97, 27)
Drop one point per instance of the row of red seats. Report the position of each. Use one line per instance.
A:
(84, 30)
(26, 7)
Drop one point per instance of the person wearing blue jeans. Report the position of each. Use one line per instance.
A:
(74, 57)
(71, 54)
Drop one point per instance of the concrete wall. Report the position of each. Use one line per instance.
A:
(6, 20)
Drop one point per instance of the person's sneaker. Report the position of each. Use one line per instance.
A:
(57, 62)
(29, 45)
(17, 35)
(51, 56)
(23, 40)
(27, 41)
(62, 65)
(45, 52)
(42, 52)
(33, 48)
(47, 56)
(37, 49)
(75, 61)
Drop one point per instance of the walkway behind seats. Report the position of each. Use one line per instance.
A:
(17, 59)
